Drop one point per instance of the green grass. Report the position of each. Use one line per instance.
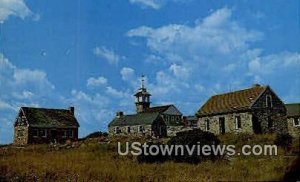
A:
(93, 160)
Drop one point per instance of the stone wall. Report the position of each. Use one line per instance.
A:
(172, 130)
(292, 129)
(134, 130)
(20, 135)
(274, 116)
(246, 123)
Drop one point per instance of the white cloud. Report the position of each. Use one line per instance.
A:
(94, 82)
(107, 54)
(154, 4)
(127, 73)
(179, 71)
(21, 87)
(216, 53)
(13, 8)
(115, 93)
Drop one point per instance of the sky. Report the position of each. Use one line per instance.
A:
(91, 54)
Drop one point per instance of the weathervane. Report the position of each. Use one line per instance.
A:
(143, 81)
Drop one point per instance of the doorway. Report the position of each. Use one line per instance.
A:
(53, 135)
(256, 125)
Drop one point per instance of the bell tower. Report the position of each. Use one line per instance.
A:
(142, 98)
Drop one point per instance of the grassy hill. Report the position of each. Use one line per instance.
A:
(97, 160)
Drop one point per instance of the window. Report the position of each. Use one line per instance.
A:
(296, 121)
(35, 133)
(172, 118)
(237, 122)
(63, 133)
(116, 130)
(270, 122)
(128, 129)
(43, 133)
(268, 101)
(141, 129)
(71, 133)
(20, 133)
(207, 128)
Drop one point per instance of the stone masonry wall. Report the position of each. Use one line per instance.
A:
(292, 129)
(20, 135)
(134, 130)
(246, 123)
(276, 113)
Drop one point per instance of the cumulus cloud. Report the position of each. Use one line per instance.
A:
(216, 53)
(14, 8)
(20, 87)
(107, 54)
(94, 82)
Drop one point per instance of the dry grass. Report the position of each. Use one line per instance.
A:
(92, 161)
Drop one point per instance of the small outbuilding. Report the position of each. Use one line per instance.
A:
(293, 119)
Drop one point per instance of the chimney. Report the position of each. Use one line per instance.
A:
(119, 114)
(72, 109)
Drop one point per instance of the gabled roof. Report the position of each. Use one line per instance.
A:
(135, 119)
(159, 109)
(232, 101)
(43, 117)
(293, 109)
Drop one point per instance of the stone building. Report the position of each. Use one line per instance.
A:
(190, 122)
(141, 124)
(41, 125)
(153, 121)
(293, 119)
(254, 110)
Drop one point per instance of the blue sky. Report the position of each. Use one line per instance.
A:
(90, 54)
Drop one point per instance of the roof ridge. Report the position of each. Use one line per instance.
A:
(225, 93)
(45, 108)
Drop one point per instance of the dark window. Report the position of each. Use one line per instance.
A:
(268, 101)
(207, 128)
(20, 133)
(43, 133)
(116, 130)
(128, 129)
(141, 129)
(237, 122)
(270, 122)
(35, 133)
(63, 133)
(296, 121)
(71, 134)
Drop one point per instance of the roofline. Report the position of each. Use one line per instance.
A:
(296, 103)
(256, 99)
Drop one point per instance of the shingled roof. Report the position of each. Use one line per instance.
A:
(135, 119)
(159, 109)
(43, 117)
(293, 109)
(232, 101)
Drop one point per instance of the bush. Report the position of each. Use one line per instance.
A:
(96, 134)
(150, 158)
(284, 140)
(190, 138)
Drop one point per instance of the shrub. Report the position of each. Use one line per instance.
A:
(150, 158)
(96, 135)
(190, 138)
(284, 140)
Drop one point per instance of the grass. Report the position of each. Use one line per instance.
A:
(92, 160)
